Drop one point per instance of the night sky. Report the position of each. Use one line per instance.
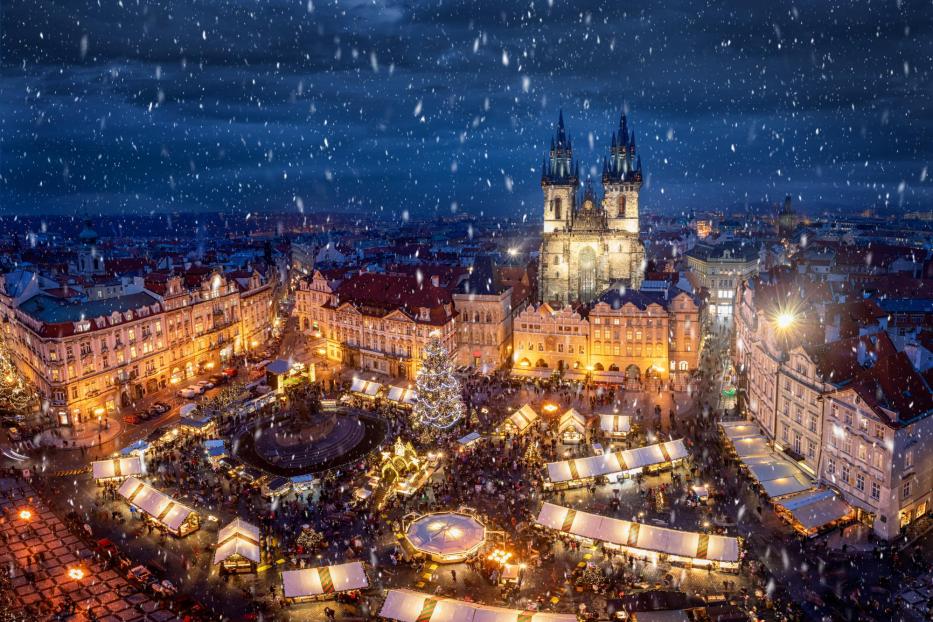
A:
(138, 106)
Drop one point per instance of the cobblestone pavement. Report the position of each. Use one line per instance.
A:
(36, 558)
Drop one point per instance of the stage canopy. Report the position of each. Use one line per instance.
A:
(449, 535)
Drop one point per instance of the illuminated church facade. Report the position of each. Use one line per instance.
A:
(589, 244)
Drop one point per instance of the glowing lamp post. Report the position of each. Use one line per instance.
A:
(25, 515)
(785, 320)
(75, 573)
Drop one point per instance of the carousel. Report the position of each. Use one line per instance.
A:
(446, 537)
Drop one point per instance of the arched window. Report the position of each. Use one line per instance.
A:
(598, 367)
(613, 367)
(683, 366)
(488, 317)
(557, 209)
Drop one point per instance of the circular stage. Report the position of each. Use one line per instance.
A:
(342, 436)
(446, 537)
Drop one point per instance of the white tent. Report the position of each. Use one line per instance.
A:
(751, 446)
(573, 421)
(698, 548)
(315, 582)
(365, 387)
(618, 462)
(401, 395)
(118, 467)
(615, 425)
(522, 418)
(411, 606)
(238, 538)
(783, 486)
(177, 518)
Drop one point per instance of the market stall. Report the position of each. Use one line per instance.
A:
(216, 450)
(238, 547)
(469, 439)
(402, 397)
(137, 448)
(177, 519)
(615, 426)
(814, 511)
(410, 606)
(581, 471)
(520, 421)
(572, 427)
(642, 540)
(365, 388)
(117, 468)
(323, 583)
(446, 537)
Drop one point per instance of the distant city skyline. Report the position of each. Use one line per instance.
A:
(411, 108)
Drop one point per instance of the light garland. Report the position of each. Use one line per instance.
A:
(439, 404)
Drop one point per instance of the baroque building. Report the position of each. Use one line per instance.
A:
(588, 245)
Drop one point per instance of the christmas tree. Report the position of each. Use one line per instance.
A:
(16, 394)
(439, 404)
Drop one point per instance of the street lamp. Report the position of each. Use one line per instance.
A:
(25, 514)
(786, 319)
(75, 573)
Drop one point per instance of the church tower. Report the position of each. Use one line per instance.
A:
(622, 180)
(559, 181)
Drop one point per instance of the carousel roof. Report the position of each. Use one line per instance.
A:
(449, 533)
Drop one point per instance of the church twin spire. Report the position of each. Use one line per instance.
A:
(623, 164)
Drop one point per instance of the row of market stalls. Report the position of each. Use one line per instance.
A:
(169, 514)
(370, 390)
(796, 496)
(411, 606)
(323, 582)
(642, 540)
(571, 426)
(582, 471)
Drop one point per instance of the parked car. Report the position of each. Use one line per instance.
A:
(131, 419)
(207, 384)
(218, 379)
(162, 407)
(188, 392)
(231, 372)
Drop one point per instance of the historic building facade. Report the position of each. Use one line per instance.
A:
(622, 338)
(588, 244)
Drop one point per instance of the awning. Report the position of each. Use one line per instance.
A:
(324, 580)
(118, 467)
(572, 420)
(812, 510)
(237, 538)
(155, 503)
(751, 446)
(606, 464)
(365, 387)
(522, 418)
(685, 544)
(786, 485)
(615, 424)
(411, 606)
(739, 429)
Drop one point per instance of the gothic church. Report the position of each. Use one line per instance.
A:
(589, 245)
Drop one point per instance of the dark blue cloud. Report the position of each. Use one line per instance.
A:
(242, 105)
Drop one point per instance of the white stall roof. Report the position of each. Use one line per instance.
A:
(593, 466)
(615, 424)
(523, 417)
(155, 503)
(401, 395)
(470, 438)
(411, 606)
(772, 468)
(324, 580)
(739, 429)
(118, 467)
(687, 544)
(572, 420)
(751, 446)
(137, 447)
(816, 508)
(237, 538)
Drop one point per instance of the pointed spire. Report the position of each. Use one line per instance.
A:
(623, 130)
(638, 165)
(560, 119)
